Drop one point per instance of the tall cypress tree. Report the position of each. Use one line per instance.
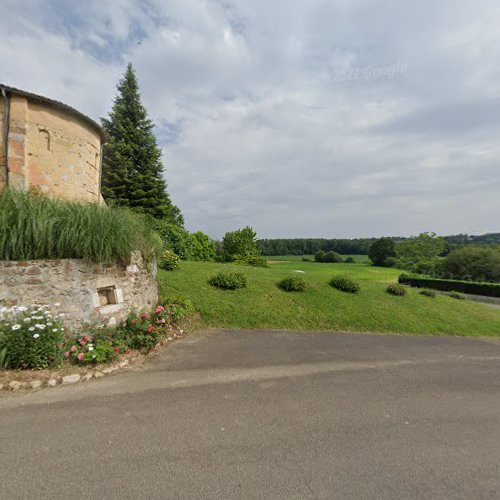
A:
(131, 167)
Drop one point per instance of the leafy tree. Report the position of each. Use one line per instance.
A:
(380, 250)
(421, 253)
(175, 238)
(239, 244)
(477, 263)
(202, 247)
(132, 171)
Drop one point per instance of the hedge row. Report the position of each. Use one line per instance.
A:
(486, 289)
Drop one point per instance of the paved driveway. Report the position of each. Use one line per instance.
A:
(268, 415)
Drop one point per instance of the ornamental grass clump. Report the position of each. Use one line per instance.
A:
(33, 226)
(292, 284)
(228, 280)
(30, 337)
(345, 284)
(395, 289)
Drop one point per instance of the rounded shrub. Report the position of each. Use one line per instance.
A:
(228, 280)
(426, 292)
(396, 289)
(292, 284)
(349, 260)
(169, 261)
(345, 284)
(457, 295)
(306, 259)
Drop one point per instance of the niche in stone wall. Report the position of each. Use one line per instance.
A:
(108, 295)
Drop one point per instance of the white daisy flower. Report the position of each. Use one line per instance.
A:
(36, 335)
(16, 327)
(31, 328)
(91, 348)
(57, 304)
(55, 330)
(39, 326)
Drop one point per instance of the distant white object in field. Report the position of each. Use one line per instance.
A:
(298, 271)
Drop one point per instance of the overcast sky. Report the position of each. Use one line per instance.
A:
(337, 118)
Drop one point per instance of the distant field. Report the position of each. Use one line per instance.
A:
(295, 258)
(263, 305)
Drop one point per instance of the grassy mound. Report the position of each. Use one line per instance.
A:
(264, 305)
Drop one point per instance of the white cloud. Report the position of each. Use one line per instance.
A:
(310, 118)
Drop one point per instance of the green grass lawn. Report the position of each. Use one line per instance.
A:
(263, 305)
(298, 258)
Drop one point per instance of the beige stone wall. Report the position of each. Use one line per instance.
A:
(63, 154)
(51, 149)
(2, 145)
(95, 294)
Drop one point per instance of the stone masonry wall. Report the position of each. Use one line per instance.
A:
(88, 293)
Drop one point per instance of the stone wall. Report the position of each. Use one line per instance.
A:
(88, 293)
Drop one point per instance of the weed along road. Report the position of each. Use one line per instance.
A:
(255, 414)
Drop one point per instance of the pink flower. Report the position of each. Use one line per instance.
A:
(162, 321)
(169, 328)
(87, 338)
(66, 354)
(80, 356)
(81, 342)
(117, 349)
(144, 315)
(150, 329)
(159, 309)
(73, 348)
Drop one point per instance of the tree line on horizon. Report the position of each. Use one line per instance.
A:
(358, 246)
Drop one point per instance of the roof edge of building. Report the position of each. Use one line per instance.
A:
(56, 104)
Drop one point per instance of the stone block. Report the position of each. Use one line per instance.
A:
(71, 379)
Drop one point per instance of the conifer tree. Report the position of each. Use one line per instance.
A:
(132, 168)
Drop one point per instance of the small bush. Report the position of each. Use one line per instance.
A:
(390, 262)
(345, 284)
(292, 284)
(169, 261)
(457, 295)
(251, 260)
(349, 260)
(229, 280)
(396, 289)
(306, 259)
(179, 307)
(95, 346)
(428, 293)
(30, 338)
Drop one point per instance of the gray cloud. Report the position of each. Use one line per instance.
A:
(307, 118)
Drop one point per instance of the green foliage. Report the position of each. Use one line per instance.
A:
(30, 337)
(308, 259)
(349, 260)
(168, 261)
(179, 307)
(428, 293)
(381, 250)
(292, 284)
(229, 280)
(4, 358)
(457, 295)
(239, 244)
(175, 238)
(251, 260)
(330, 257)
(132, 171)
(420, 253)
(94, 346)
(345, 284)
(390, 262)
(37, 227)
(472, 287)
(396, 289)
(475, 263)
(202, 247)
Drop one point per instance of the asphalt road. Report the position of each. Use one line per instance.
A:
(267, 415)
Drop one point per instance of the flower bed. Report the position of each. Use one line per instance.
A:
(36, 350)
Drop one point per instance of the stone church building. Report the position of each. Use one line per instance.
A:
(48, 146)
